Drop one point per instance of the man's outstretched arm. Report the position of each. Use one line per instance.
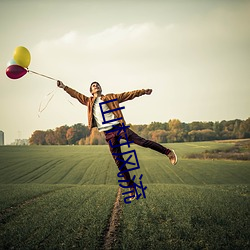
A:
(132, 94)
(148, 91)
(60, 84)
(80, 97)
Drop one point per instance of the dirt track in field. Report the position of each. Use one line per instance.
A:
(6, 213)
(112, 231)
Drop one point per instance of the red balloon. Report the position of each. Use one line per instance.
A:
(15, 71)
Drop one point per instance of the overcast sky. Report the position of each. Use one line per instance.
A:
(195, 55)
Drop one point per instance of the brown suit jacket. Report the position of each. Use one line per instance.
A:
(89, 102)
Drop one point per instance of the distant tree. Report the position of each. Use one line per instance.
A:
(159, 135)
(145, 133)
(50, 137)
(70, 136)
(244, 129)
(209, 125)
(217, 129)
(142, 130)
(236, 129)
(222, 127)
(60, 134)
(208, 135)
(81, 131)
(156, 126)
(76, 133)
(185, 130)
(228, 129)
(202, 135)
(137, 128)
(96, 137)
(196, 126)
(38, 138)
(175, 124)
(225, 135)
(175, 133)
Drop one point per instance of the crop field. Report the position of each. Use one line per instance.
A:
(66, 197)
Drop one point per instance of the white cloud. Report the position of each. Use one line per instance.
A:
(69, 38)
(119, 35)
(116, 39)
(116, 47)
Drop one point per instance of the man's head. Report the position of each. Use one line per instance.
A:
(95, 87)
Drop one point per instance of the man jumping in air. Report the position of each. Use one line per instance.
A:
(95, 119)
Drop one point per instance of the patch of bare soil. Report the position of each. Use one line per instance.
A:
(112, 231)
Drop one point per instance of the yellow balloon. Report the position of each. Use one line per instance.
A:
(22, 56)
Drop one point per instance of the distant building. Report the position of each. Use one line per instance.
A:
(1, 138)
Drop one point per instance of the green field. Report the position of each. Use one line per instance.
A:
(61, 197)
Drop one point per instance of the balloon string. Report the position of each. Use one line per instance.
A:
(71, 103)
(50, 96)
(31, 71)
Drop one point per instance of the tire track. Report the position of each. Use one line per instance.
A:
(44, 243)
(48, 169)
(46, 166)
(112, 229)
(67, 172)
(7, 213)
(176, 175)
(88, 181)
(195, 178)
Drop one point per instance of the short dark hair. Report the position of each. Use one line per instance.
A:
(92, 84)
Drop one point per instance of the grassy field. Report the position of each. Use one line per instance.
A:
(61, 197)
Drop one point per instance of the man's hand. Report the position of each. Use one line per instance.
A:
(148, 91)
(60, 84)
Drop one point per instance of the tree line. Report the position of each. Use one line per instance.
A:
(172, 131)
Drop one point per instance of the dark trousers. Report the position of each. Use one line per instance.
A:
(113, 139)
